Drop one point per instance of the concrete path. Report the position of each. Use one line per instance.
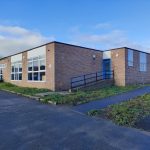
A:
(102, 103)
(27, 124)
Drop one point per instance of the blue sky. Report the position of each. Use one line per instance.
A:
(100, 24)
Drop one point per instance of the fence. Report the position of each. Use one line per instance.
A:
(86, 79)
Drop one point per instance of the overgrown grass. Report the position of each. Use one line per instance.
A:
(21, 90)
(126, 113)
(72, 98)
(85, 96)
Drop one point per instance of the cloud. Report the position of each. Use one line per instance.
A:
(109, 39)
(102, 26)
(15, 39)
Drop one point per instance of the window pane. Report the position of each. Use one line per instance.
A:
(12, 76)
(20, 67)
(16, 68)
(20, 76)
(29, 66)
(42, 64)
(16, 76)
(35, 76)
(143, 62)
(29, 76)
(1, 72)
(35, 65)
(30, 59)
(130, 57)
(42, 57)
(12, 68)
(35, 59)
(42, 76)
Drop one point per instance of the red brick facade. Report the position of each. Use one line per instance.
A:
(64, 61)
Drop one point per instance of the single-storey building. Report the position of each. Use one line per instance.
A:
(55, 64)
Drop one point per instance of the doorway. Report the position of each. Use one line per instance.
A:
(106, 68)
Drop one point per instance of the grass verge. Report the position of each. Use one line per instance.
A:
(72, 98)
(126, 113)
(86, 96)
(21, 90)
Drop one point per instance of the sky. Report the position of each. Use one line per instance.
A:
(99, 24)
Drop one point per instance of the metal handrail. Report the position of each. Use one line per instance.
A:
(84, 80)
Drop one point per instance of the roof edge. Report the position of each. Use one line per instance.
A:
(71, 45)
(47, 44)
(128, 48)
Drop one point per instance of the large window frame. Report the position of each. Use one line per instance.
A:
(37, 69)
(143, 62)
(130, 58)
(16, 71)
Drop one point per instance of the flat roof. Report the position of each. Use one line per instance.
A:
(50, 43)
(127, 48)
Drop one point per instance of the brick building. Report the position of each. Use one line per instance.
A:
(53, 65)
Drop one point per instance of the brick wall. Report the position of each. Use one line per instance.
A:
(6, 70)
(71, 61)
(118, 65)
(133, 74)
(63, 61)
(50, 80)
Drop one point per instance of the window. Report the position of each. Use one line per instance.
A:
(1, 73)
(16, 71)
(2, 67)
(36, 68)
(143, 62)
(130, 57)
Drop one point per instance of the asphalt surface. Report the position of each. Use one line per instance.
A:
(144, 124)
(26, 124)
(102, 103)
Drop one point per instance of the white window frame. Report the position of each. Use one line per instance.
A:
(130, 58)
(143, 62)
(31, 60)
(16, 73)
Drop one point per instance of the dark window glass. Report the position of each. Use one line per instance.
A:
(42, 76)
(29, 76)
(42, 64)
(30, 66)
(20, 68)
(20, 76)
(16, 68)
(12, 76)
(35, 66)
(35, 74)
(12, 68)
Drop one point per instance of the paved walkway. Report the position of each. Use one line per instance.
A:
(27, 124)
(102, 103)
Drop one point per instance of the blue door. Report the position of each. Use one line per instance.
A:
(106, 68)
